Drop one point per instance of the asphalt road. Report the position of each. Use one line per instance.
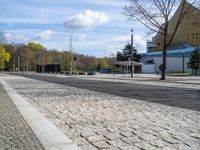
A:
(176, 97)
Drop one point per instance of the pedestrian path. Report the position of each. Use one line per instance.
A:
(15, 133)
(50, 137)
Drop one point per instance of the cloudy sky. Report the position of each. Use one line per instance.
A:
(98, 27)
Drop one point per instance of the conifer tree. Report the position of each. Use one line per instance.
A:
(194, 62)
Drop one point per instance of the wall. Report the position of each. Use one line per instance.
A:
(174, 64)
(148, 68)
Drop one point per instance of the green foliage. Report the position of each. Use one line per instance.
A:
(194, 62)
(4, 57)
(32, 54)
(125, 55)
(104, 63)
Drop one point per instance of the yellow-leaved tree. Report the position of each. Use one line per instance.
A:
(4, 57)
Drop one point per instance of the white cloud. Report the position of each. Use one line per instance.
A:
(20, 38)
(87, 20)
(46, 35)
(8, 36)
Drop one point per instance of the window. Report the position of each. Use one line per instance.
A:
(193, 35)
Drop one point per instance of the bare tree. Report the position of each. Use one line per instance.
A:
(156, 15)
(2, 37)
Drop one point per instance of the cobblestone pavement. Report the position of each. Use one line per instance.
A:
(95, 120)
(15, 134)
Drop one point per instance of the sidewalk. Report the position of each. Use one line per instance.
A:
(96, 121)
(15, 133)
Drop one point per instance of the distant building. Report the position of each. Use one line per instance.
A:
(187, 32)
(50, 68)
(186, 39)
(126, 66)
(177, 59)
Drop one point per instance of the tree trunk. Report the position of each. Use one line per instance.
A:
(163, 77)
(196, 71)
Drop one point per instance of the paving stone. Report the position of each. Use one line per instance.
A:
(146, 146)
(147, 137)
(117, 143)
(80, 141)
(120, 122)
(169, 147)
(131, 140)
(112, 136)
(170, 140)
(87, 132)
(95, 138)
(15, 133)
(129, 148)
(102, 145)
(126, 134)
(158, 143)
(88, 147)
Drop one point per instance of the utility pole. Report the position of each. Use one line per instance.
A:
(132, 67)
(55, 61)
(113, 65)
(71, 51)
(18, 60)
(183, 61)
(14, 57)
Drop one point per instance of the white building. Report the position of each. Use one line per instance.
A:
(177, 59)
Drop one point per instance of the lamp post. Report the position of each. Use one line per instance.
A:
(132, 68)
(18, 60)
(14, 56)
(71, 52)
(183, 61)
(113, 60)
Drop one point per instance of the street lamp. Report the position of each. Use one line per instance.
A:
(18, 60)
(132, 68)
(183, 61)
(14, 56)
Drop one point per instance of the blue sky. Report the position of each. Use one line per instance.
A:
(98, 27)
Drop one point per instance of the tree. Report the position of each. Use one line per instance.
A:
(4, 57)
(2, 37)
(194, 62)
(155, 15)
(103, 63)
(38, 54)
(120, 57)
(126, 54)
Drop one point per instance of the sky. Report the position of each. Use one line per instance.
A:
(98, 27)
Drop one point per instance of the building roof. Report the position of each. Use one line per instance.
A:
(180, 45)
(127, 63)
(174, 49)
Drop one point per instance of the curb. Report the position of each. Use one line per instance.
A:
(49, 136)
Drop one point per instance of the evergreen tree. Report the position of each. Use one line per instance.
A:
(126, 54)
(120, 57)
(194, 62)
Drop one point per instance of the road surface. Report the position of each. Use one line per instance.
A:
(176, 97)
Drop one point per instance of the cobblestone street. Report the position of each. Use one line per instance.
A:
(96, 120)
(15, 133)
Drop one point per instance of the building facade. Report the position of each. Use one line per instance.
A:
(177, 59)
(186, 39)
(187, 32)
